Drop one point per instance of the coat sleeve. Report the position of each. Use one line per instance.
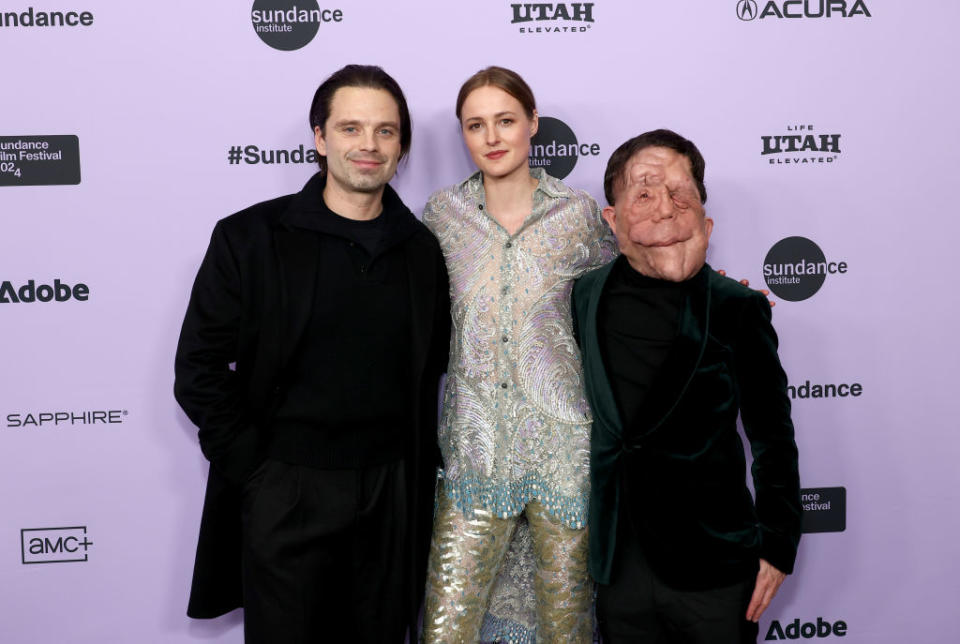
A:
(765, 412)
(206, 384)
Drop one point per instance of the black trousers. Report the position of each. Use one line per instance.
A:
(323, 554)
(637, 607)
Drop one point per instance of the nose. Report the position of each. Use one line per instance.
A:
(664, 206)
(493, 137)
(369, 140)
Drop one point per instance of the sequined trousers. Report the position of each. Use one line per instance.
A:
(466, 554)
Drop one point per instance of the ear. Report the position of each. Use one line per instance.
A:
(319, 142)
(609, 215)
(707, 226)
(534, 123)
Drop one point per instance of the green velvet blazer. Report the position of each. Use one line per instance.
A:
(679, 475)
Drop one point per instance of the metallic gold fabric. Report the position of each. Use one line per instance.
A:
(465, 556)
(563, 586)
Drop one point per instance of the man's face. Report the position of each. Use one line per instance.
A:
(361, 139)
(658, 219)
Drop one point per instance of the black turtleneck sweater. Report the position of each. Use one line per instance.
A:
(342, 406)
(638, 321)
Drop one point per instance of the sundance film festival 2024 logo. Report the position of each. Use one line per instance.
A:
(748, 10)
(799, 145)
(288, 25)
(824, 509)
(795, 268)
(553, 18)
(555, 148)
(39, 160)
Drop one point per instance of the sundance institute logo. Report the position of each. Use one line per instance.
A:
(555, 148)
(287, 25)
(748, 10)
(796, 268)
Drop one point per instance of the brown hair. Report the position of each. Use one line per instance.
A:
(502, 78)
(613, 178)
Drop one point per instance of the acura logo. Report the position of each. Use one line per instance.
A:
(746, 9)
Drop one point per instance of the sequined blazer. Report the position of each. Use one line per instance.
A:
(515, 424)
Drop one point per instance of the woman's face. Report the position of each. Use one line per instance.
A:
(497, 131)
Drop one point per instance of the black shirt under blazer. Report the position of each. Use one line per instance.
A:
(245, 310)
(679, 475)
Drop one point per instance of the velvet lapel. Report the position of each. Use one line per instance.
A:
(605, 412)
(422, 283)
(682, 361)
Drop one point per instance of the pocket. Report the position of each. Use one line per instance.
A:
(253, 485)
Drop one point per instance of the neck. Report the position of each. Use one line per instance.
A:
(362, 206)
(510, 198)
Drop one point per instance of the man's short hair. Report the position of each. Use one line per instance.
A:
(613, 178)
(370, 76)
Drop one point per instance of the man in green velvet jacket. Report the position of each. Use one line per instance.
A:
(673, 352)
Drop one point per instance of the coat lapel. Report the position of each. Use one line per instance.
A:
(604, 408)
(682, 361)
(422, 284)
(297, 256)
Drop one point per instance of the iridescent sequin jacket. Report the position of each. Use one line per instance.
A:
(515, 424)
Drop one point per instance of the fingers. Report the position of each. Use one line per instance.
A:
(756, 600)
(768, 583)
(761, 598)
(746, 282)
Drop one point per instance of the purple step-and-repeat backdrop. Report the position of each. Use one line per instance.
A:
(127, 129)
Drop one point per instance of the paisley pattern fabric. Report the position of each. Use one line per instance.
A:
(516, 425)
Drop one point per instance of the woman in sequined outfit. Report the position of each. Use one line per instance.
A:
(515, 427)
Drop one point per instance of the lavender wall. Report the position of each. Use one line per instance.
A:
(158, 93)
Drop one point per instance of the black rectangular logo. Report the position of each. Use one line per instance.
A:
(824, 509)
(54, 545)
(45, 160)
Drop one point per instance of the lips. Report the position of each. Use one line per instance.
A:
(496, 154)
(367, 163)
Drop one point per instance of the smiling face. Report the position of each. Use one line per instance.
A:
(658, 217)
(360, 140)
(497, 131)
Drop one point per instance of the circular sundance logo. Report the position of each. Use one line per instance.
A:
(555, 148)
(796, 268)
(289, 25)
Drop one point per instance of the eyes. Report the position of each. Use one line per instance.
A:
(476, 126)
(679, 197)
(386, 132)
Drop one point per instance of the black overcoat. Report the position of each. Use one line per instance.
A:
(250, 304)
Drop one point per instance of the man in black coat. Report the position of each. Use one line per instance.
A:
(673, 352)
(310, 359)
